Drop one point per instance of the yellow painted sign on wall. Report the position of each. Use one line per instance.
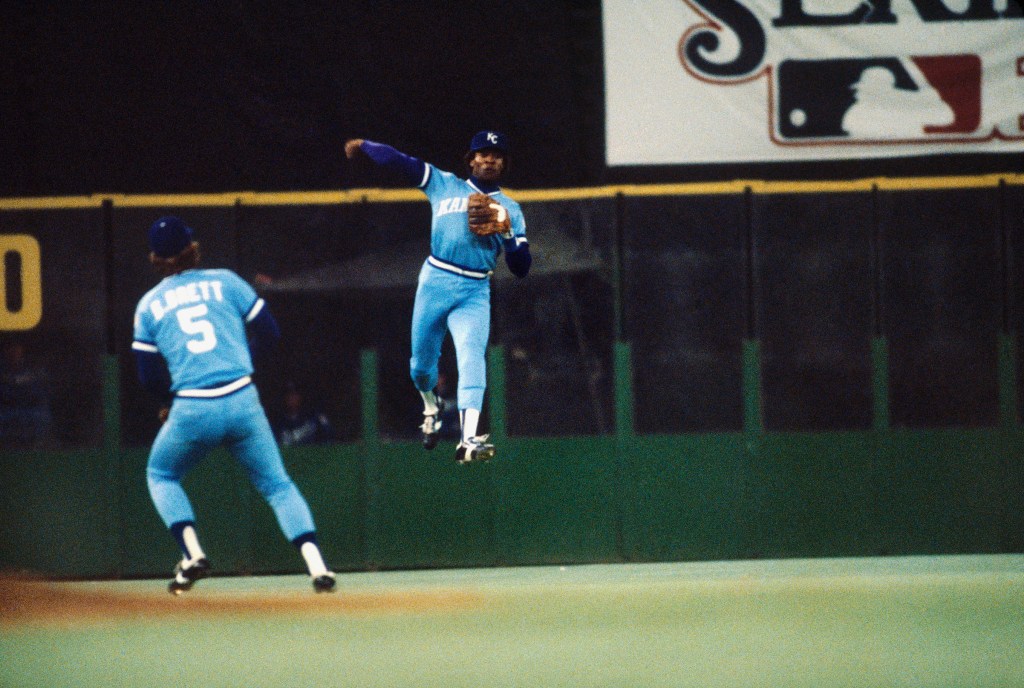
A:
(21, 282)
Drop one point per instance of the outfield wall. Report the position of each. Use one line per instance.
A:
(541, 501)
(708, 371)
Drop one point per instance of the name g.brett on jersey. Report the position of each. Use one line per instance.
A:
(194, 292)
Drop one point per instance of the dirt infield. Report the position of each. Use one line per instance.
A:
(33, 602)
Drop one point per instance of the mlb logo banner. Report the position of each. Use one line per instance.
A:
(880, 100)
(704, 81)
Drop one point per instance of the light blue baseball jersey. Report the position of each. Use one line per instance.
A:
(196, 319)
(450, 240)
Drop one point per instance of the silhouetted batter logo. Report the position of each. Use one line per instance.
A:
(881, 95)
(879, 99)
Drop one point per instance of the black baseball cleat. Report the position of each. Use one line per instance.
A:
(186, 574)
(474, 450)
(431, 430)
(324, 582)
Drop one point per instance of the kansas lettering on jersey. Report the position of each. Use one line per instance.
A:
(450, 238)
(452, 205)
(196, 321)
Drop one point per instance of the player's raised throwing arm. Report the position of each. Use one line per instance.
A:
(413, 169)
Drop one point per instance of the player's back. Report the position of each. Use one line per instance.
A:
(197, 319)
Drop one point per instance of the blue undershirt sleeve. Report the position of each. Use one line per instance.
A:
(517, 257)
(384, 155)
(153, 375)
(263, 336)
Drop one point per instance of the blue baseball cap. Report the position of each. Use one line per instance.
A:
(169, 236)
(488, 139)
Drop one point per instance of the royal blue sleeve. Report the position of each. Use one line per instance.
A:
(384, 155)
(263, 336)
(517, 256)
(153, 374)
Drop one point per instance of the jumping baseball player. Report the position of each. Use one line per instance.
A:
(473, 222)
(196, 334)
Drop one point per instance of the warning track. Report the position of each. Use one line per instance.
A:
(36, 602)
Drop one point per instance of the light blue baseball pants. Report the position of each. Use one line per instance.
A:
(462, 306)
(237, 421)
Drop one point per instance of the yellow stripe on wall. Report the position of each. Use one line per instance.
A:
(51, 203)
(349, 196)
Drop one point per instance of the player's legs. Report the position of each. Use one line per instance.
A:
(181, 443)
(430, 308)
(187, 436)
(470, 325)
(252, 443)
(434, 298)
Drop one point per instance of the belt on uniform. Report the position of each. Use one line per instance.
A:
(213, 392)
(458, 269)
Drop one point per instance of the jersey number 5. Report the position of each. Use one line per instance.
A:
(191, 322)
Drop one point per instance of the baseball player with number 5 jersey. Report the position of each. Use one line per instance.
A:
(196, 334)
(473, 223)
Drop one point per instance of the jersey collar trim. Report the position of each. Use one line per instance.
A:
(483, 187)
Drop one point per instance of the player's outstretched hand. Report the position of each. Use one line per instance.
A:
(352, 148)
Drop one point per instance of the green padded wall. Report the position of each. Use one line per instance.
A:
(624, 497)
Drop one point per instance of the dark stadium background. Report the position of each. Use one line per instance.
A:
(173, 97)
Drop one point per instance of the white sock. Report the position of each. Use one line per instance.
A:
(470, 419)
(429, 403)
(314, 561)
(188, 534)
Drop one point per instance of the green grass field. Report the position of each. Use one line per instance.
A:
(955, 621)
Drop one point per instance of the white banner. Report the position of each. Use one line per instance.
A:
(706, 81)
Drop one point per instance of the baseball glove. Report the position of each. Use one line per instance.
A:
(487, 216)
